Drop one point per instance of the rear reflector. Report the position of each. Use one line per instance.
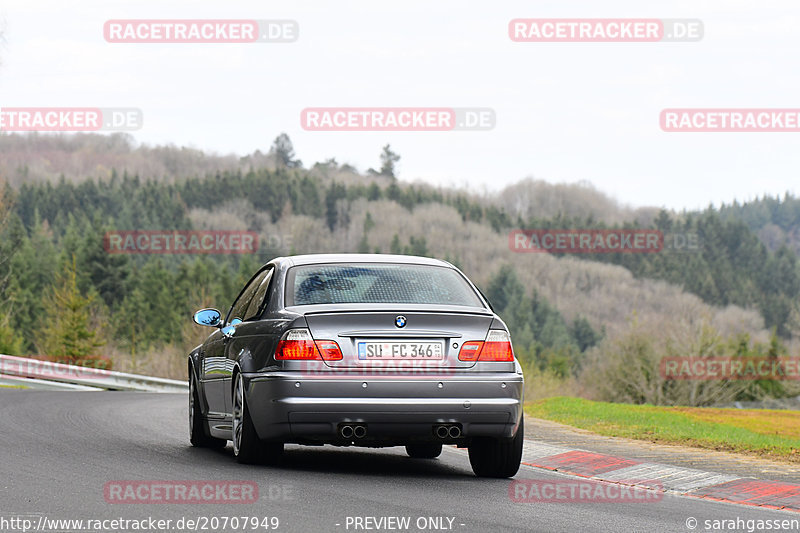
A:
(497, 347)
(297, 345)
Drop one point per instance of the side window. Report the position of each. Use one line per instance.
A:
(257, 303)
(240, 305)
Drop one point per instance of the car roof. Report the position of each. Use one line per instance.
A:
(313, 259)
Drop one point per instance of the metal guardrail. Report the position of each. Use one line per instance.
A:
(16, 382)
(46, 371)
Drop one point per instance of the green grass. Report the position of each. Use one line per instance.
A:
(768, 433)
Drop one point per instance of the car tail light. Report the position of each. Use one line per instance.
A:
(297, 345)
(329, 350)
(470, 351)
(496, 347)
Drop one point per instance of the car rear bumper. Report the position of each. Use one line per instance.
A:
(294, 407)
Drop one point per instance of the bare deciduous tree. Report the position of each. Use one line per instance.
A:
(628, 367)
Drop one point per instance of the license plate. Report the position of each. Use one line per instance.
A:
(413, 350)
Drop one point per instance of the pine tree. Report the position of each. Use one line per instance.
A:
(395, 247)
(10, 341)
(388, 160)
(132, 321)
(67, 335)
(283, 150)
(33, 266)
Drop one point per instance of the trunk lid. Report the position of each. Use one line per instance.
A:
(399, 339)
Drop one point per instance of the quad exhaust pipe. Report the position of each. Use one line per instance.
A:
(359, 431)
(444, 431)
(348, 431)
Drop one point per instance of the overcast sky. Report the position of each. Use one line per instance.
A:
(565, 111)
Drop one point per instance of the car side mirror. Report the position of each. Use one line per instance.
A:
(230, 329)
(207, 317)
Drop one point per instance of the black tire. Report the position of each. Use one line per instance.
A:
(247, 447)
(271, 453)
(497, 457)
(424, 450)
(197, 430)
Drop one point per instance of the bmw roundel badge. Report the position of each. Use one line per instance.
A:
(400, 321)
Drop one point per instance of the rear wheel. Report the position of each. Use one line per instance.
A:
(497, 457)
(247, 447)
(426, 450)
(197, 431)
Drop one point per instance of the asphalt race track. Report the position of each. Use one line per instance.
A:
(60, 449)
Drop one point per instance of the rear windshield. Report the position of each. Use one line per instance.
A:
(378, 283)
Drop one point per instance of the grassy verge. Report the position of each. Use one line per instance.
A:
(764, 432)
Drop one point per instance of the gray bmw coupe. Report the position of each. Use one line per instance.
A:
(358, 350)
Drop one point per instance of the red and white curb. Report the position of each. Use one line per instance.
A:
(675, 479)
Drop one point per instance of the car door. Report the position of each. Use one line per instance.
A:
(236, 317)
(212, 377)
(217, 368)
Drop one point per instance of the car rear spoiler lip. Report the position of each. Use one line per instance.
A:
(384, 333)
